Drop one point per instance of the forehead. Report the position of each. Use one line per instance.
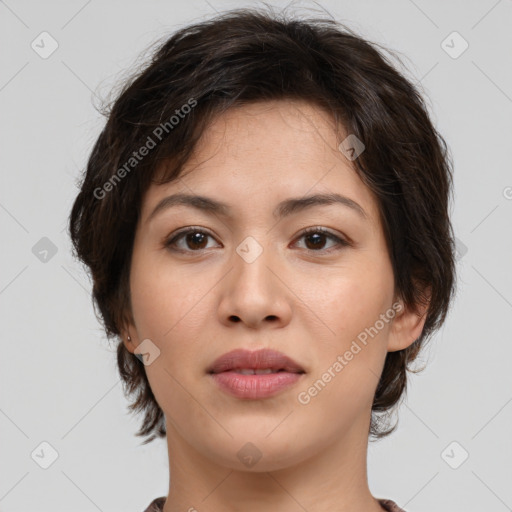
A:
(264, 153)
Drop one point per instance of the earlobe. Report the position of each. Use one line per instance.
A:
(126, 330)
(407, 326)
(128, 342)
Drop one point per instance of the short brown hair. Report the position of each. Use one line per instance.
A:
(249, 55)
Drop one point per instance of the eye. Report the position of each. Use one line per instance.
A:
(316, 237)
(196, 239)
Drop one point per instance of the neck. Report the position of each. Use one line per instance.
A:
(334, 477)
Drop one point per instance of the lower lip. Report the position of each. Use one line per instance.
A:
(255, 386)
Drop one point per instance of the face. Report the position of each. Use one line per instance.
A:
(249, 277)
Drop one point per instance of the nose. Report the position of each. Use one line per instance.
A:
(254, 293)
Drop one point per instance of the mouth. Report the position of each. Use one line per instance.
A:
(259, 362)
(259, 371)
(250, 384)
(255, 375)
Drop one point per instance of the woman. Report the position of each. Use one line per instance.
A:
(265, 218)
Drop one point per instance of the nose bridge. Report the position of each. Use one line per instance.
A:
(252, 261)
(252, 291)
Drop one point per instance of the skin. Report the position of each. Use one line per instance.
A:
(307, 298)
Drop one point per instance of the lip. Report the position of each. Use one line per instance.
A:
(223, 372)
(255, 386)
(258, 359)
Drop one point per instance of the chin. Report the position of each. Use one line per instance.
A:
(259, 453)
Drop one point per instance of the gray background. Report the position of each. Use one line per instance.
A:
(58, 380)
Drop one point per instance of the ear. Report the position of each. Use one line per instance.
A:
(128, 333)
(127, 336)
(408, 323)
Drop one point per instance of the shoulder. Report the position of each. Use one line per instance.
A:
(390, 506)
(157, 505)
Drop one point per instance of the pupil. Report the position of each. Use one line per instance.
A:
(317, 239)
(196, 238)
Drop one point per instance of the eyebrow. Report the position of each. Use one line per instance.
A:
(284, 209)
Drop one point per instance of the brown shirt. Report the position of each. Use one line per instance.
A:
(157, 505)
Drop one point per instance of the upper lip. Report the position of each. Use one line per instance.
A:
(259, 359)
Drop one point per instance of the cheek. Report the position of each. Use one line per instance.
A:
(172, 306)
(351, 359)
(167, 309)
(353, 301)
(167, 301)
(152, 303)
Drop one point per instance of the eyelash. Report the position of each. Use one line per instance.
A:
(171, 241)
